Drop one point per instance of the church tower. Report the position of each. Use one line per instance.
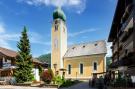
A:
(58, 39)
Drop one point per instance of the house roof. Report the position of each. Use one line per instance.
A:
(8, 52)
(86, 49)
(36, 61)
(13, 54)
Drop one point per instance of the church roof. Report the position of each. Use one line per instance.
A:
(86, 49)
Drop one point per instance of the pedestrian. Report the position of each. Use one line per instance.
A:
(105, 81)
(90, 84)
(93, 82)
(100, 83)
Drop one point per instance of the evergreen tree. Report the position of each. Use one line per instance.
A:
(23, 73)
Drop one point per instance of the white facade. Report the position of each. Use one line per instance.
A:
(36, 74)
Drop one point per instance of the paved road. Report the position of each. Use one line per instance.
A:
(83, 85)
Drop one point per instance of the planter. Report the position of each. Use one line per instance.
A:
(37, 84)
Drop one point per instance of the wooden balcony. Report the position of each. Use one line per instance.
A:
(115, 48)
(128, 60)
(121, 54)
(127, 16)
(129, 39)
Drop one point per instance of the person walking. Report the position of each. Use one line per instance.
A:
(100, 83)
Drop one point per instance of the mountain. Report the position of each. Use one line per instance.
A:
(45, 58)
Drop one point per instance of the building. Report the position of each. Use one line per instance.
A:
(79, 61)
(8, 64)
(122, 36)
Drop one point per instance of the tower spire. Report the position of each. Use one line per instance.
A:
(58, 13)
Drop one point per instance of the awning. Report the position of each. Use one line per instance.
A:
(100, 73)
(62, 69)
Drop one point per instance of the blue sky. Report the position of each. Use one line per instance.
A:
(87, 20)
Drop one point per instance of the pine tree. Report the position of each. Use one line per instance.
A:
(23, 73)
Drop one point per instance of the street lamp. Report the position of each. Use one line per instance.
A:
(76, 75)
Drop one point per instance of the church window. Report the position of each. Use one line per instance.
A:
(56, 27)
(81, 68)
(56, 22)
(95, 66)
(69, 69)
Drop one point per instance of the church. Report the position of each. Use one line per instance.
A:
(79, 61)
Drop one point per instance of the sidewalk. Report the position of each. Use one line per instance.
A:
(21, 87)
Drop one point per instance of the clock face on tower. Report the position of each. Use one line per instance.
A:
(55, 43)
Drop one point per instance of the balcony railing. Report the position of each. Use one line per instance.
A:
(127, 16)
(126, 35)
(127, 60)
(129, 39)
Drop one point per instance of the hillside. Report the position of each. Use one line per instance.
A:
(45, 58)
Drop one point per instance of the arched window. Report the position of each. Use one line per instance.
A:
(69, 69)
(81, 68)
(56, 27)
(95, 66)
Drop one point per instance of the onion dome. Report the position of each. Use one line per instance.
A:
(59, 14)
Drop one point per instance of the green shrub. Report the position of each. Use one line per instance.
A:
(67, 83)
(61, 82)
(58, 80)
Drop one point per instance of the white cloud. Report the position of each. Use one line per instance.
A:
(76, 5)
(37, 39)
(81, 32)
(9, 37)
(74, 2)
(2, 29)
(109, 51)
(6, 38)
(4, 44)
